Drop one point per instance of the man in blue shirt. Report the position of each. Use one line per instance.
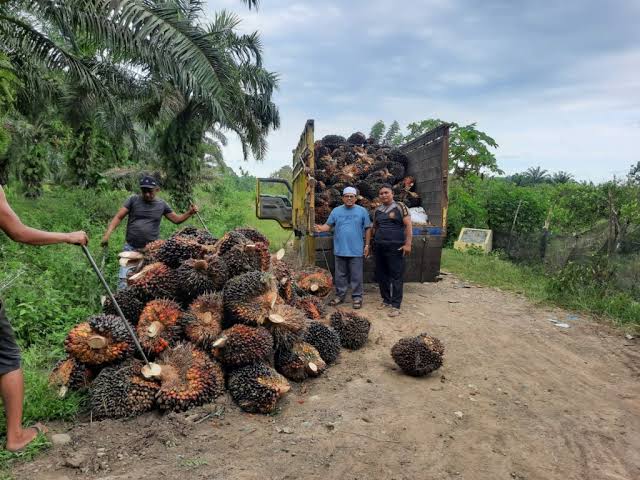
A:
(351, 238)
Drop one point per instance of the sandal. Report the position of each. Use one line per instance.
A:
(336, 301)
(40, 430)
(357, 304)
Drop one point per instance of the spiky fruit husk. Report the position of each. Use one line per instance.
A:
(396, 155)
(188, 231)
(160, 326)
(322, 213)
(263, 254)
(240, 259)
(284, 279)
(248, 298)
(396, 170)
(352, 328)
(333, 140)
(206, 325)
(257, 388)
(178, 249)
(155, 281)
(217, 270)
(299, 362)
(325, 339)
(244, 345)
(253, 234)
(70, 374)
(357, 138)
(193, 279)
(188, 378)
(205, 238)
(151, 251)
(129, 303)
(230, 240)
(117, 341)
(289, 328)
(314, 281)
(418, 356)
(121, 391)
(410, 199)
(313, 307)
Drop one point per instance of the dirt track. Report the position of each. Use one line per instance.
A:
(534, 401)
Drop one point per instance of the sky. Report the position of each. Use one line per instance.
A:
(555, 83)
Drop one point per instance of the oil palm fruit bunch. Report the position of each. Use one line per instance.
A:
(286, 324)
(188, 378)
(70, 374)
(194, 278)
(249, 298)
(160, 326)
(314, 281)
(313, 307)
(241, 258)
(257, 388)
(353, 329)
(177, 249)
(102, 339)
(418, 356)
(129, 303)
(253, 235)
(333, 140)
(230, 240)
(325, 340)
(156, 280)
(121, 391)
(242, 345)
(188, 231)
(284, 278)
(410, 199)
(299, 361)
(150, 251)
(206, 322)
(357, 138)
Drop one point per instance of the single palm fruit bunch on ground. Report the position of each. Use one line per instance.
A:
(418, 356)
(313, 307)
(154, 281)
(70, 374)
(324, 339)
(129, 303)
(284, 279)
(241, 259)
(102, 339)
(230, 240)
(352, 328)
(217, 270)
(178, 249)
(286, 324)
(194, 278)
(160, 326)
(188, 378)
(253, 235)
(315, 281)
(242, 345)
(206, 325)
(121, 391)
(257, 388)
(249, 298)
(299, 362)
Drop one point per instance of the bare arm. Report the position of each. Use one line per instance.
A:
(178, 219)
(322, 228)
(11, 224)
(408, 235)
(367, 241)
(113, 224)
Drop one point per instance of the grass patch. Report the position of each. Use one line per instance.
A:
(573, 292)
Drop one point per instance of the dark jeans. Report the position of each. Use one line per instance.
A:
(9, 351)
(349, 270)
(389, 272)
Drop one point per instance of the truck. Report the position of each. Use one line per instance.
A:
(293, 206)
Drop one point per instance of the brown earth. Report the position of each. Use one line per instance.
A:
(518, 398)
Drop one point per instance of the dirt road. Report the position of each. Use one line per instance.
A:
(518, 398)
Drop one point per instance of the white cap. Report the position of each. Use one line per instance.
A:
(349, 191)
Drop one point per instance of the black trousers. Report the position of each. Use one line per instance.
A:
(389, 273)
(9, 351)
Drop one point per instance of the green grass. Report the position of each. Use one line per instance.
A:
(540, 286)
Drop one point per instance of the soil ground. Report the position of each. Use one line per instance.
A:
(517, 398)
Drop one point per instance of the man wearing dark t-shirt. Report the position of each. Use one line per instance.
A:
(145, 213)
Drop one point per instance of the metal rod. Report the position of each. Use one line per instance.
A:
(115, 303)
(199, 217)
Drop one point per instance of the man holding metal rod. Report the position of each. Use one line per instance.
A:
(11, 378)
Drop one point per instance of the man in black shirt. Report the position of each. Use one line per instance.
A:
(145, 212)
(392, 235)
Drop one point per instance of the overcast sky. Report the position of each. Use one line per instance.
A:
(556, 83)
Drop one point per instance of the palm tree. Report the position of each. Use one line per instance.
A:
(562, 177)
(535, 175)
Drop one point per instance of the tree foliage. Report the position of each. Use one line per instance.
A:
(377, 131)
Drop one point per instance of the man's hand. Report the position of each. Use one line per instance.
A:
(193, 209)
(317, 228)
(77, 238)
(406, 250)
(367, 251)
(105, 241)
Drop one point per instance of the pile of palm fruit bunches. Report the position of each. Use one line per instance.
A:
(210, 314)
(361, 163)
